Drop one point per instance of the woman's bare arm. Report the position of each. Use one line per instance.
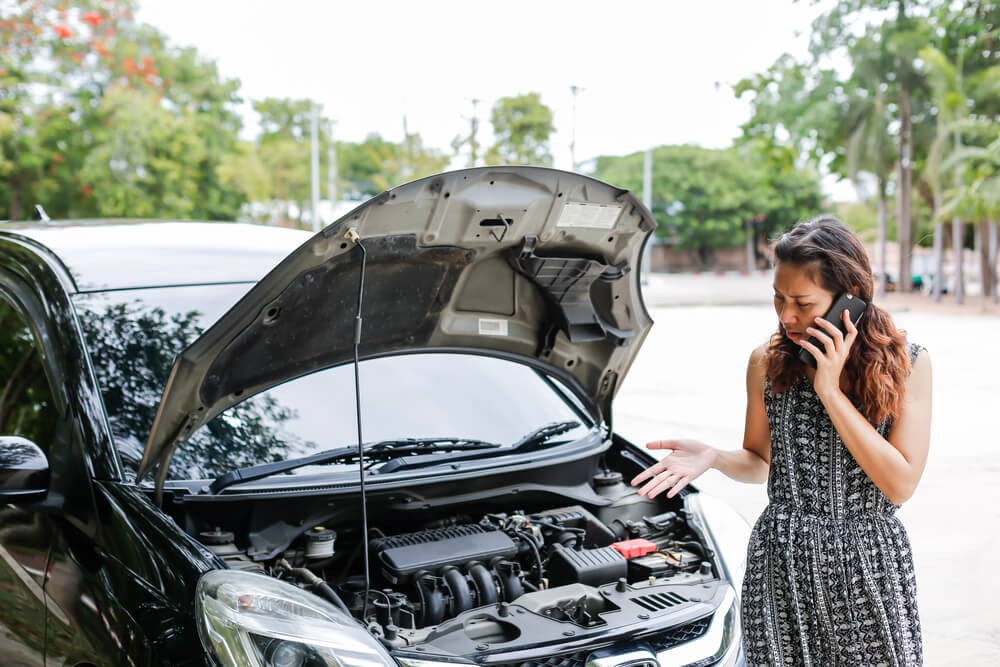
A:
(895, 464)
(688, 459)
(751, 463)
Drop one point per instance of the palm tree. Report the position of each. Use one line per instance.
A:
(978, 199)
(969, 193)
(870, 144)
(952, 111)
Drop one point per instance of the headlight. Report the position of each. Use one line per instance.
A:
(729, 530)
(247, 619)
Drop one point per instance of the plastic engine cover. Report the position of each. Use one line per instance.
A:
(402, 556)
(593, 567)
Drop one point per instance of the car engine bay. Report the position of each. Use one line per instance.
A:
(467, 582)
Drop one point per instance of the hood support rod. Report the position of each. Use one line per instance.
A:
(353, 236)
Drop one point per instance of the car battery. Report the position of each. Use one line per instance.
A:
(661, 563)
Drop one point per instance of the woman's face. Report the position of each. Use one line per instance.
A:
(798, 300)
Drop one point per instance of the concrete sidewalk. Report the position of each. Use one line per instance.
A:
(752, 289)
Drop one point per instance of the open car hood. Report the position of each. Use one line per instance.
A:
(526, 263)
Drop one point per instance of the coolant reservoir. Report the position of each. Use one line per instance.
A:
(222, 544)
(626, 504)
(609, 483)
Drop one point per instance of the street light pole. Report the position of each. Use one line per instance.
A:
(331, 169)
(473, 129)
(572, 141)
(314, 166)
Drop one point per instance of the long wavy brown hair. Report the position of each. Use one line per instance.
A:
(876, 370)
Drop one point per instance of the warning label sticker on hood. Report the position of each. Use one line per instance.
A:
(580, 214)
(489, 327)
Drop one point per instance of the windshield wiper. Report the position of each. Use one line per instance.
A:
(384, 450)
(528, 442)
(542, 434)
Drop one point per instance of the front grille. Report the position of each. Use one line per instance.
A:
(660, 641)
(577, 659)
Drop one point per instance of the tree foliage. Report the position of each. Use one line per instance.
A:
(522, 126)
(100, 117)
(708, 198)
(917, 71)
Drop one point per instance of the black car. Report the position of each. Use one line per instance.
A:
(190, 480)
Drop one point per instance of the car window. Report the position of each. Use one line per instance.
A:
(134, 335)
(27, 406)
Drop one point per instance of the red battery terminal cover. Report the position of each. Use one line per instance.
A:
(634, 548)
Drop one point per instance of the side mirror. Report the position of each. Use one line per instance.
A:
(24, 470)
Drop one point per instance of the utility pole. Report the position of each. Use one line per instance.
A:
(572, 143)
(331, 169)
(406, 169)
(314, 165)
(473, 129)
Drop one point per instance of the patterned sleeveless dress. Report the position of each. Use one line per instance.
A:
(829, 577)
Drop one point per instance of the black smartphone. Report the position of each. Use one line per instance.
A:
(846, 301)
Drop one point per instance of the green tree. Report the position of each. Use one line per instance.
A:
(410, 161)
(951, 162)
(151, 170)
(711, 198)
(375, 164)
(882, 52)
(283, 147)
(796, 105)
(241, 170)
(964, 72)
(64, 73)
(360, 165)
(869, 140)
(367, 168)
(522, 126)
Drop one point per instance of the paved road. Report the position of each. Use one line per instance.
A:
(689, 380)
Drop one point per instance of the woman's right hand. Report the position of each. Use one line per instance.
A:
(687, 460)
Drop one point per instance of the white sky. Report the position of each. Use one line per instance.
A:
(652, 73)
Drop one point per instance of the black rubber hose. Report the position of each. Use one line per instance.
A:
(553, 526)
(694, 546)
(332, 596)
(534, 548)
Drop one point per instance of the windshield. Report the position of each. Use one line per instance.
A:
(134, 335)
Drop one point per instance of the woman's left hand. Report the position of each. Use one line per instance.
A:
(830, 362)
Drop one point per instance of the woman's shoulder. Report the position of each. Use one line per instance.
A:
(758, 357)
(914, 350)
(920, 363)
(757, 366)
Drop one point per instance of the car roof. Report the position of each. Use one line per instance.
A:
(122, 254)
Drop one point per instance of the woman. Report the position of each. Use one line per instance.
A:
(829, 577)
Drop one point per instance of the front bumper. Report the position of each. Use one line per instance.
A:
(720, 645)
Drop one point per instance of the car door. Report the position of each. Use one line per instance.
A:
(27, 409)
(45, 602)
